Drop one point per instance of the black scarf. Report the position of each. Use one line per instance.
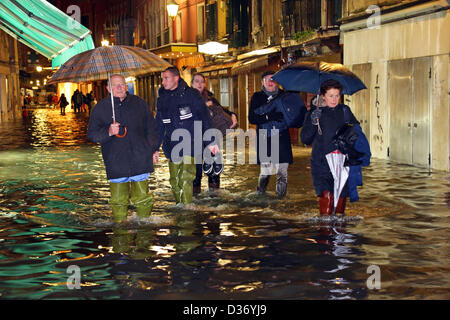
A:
(270, 94)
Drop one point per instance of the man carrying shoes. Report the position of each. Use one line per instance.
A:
(180, 109)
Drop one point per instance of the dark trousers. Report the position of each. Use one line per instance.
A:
(213, 180)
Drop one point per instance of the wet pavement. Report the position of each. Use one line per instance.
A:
(54, 214)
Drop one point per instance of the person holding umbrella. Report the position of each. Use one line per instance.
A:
(321, 129)
(270, 92)
(128, 134)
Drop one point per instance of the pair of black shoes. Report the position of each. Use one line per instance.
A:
(216, 167)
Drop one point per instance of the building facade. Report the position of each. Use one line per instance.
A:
(398, 48)
(172, 38)
(401, 52)
(10, 98)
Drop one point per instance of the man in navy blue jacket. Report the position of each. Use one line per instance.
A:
(181, 112)
(128, 159)
(281, 154)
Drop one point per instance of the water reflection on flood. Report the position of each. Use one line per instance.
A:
(54, 213)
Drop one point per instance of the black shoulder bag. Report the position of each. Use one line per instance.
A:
(345, 139)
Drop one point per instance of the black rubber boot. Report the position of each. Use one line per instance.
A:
(213, 182)
(263, 181)
(198, 179)
(281, 186)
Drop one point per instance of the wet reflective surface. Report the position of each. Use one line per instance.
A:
(54, 213)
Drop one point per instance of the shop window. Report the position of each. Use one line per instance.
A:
(225, 92)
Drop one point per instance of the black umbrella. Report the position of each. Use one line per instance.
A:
(308, 76)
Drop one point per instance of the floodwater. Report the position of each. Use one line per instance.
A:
(54, 216)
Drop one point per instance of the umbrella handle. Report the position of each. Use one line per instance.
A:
(319, 129)
(122, 135)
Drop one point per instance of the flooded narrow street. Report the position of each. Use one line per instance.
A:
(54, 213)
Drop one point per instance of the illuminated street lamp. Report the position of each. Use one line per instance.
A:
(172, 9)
(38, 68)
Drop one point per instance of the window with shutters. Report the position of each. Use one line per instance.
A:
(303, 15)
(334, 12)
(201, 22)
(224, 92)
(259, 13)
(211, 21)
(239, 23)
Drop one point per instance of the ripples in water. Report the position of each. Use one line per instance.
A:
(54, 213)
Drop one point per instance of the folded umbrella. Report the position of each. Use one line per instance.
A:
(340, 173)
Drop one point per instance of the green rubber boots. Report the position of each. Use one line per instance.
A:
(181, 179)
(140, 197)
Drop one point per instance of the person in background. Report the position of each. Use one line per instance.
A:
(127, 154)
(83, 103)
(63, 103)
(55, 100)
(90, 101)
(72, 100)
(50, 100)
(221, 119)
(77, 100)
(29, 99)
